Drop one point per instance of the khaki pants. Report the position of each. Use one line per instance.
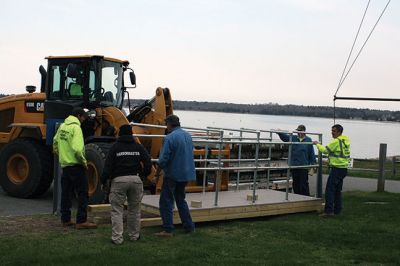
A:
(123, 188)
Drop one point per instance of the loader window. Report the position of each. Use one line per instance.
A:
(73, 85)
(111, 83)
(56, 82)
(64, 86)
(92, 85)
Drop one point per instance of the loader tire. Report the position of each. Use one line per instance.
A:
(96, 154)
(26, 168)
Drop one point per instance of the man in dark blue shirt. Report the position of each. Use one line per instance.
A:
(176, 160)
(302, 155)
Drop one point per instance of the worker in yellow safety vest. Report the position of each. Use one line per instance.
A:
(338, 151)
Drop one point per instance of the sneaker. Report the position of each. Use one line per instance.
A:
(326, 215)
(86, 225)
(164, 234)
(67, 224)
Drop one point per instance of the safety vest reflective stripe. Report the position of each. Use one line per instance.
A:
(341, 155)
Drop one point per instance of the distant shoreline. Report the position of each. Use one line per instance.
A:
(363, 114)
(352, 119)
(287, 110)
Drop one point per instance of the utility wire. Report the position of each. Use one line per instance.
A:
(343, 78)
(352, 47)
(369, 35)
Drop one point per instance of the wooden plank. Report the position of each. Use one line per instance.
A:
(250, 209)
(253, 214)
(99, 208)
(242, 215)
(147, 222)
(150, 209)
(144, 222)
(232, 205)
(196, 203)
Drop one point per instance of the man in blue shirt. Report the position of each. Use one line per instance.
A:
(302, 154)
(176, 160)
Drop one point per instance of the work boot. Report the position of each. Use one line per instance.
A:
(86, 225)
(326, 215)
(117, 242)
(67, 224)
(190, 231)
(164, 234)
(135, 239)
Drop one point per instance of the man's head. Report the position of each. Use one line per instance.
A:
(301, 128)
(79, 113)
(172, 121)
(337, 130)
(125, 130)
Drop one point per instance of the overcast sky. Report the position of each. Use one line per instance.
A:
(241, 51)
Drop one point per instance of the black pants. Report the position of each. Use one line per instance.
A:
(300, 182)
(74, 180)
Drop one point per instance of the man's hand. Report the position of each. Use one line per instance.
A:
(311, 171)
(155, 179)
(157, 175)
(105, 187)
(315, 142)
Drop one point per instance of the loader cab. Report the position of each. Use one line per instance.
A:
(89, 82)
(85, 81)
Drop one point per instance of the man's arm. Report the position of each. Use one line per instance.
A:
(157, 174)
(146, 160)
(108, 165)
(284, 137)
(165, 154)
(78, 146)
(331, 147)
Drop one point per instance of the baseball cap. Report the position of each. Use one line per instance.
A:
(79, 111)
(301, 128)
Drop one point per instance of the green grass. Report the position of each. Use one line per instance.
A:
(370, 169)
(367, 233)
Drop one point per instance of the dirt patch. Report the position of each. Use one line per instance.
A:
(19, 225)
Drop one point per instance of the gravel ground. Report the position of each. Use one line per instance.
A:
(10, 206)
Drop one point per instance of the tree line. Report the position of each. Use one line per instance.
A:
(288, 109)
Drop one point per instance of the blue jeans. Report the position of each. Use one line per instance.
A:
(333, 191)
(73, 180)
(170, 191)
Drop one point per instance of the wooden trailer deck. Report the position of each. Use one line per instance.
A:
(234, 205)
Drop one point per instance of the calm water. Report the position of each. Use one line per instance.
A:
(365, 136)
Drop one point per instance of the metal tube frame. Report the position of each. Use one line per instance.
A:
(215, 135)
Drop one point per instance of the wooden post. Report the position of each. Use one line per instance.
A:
(382, 159)
(394, 158)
